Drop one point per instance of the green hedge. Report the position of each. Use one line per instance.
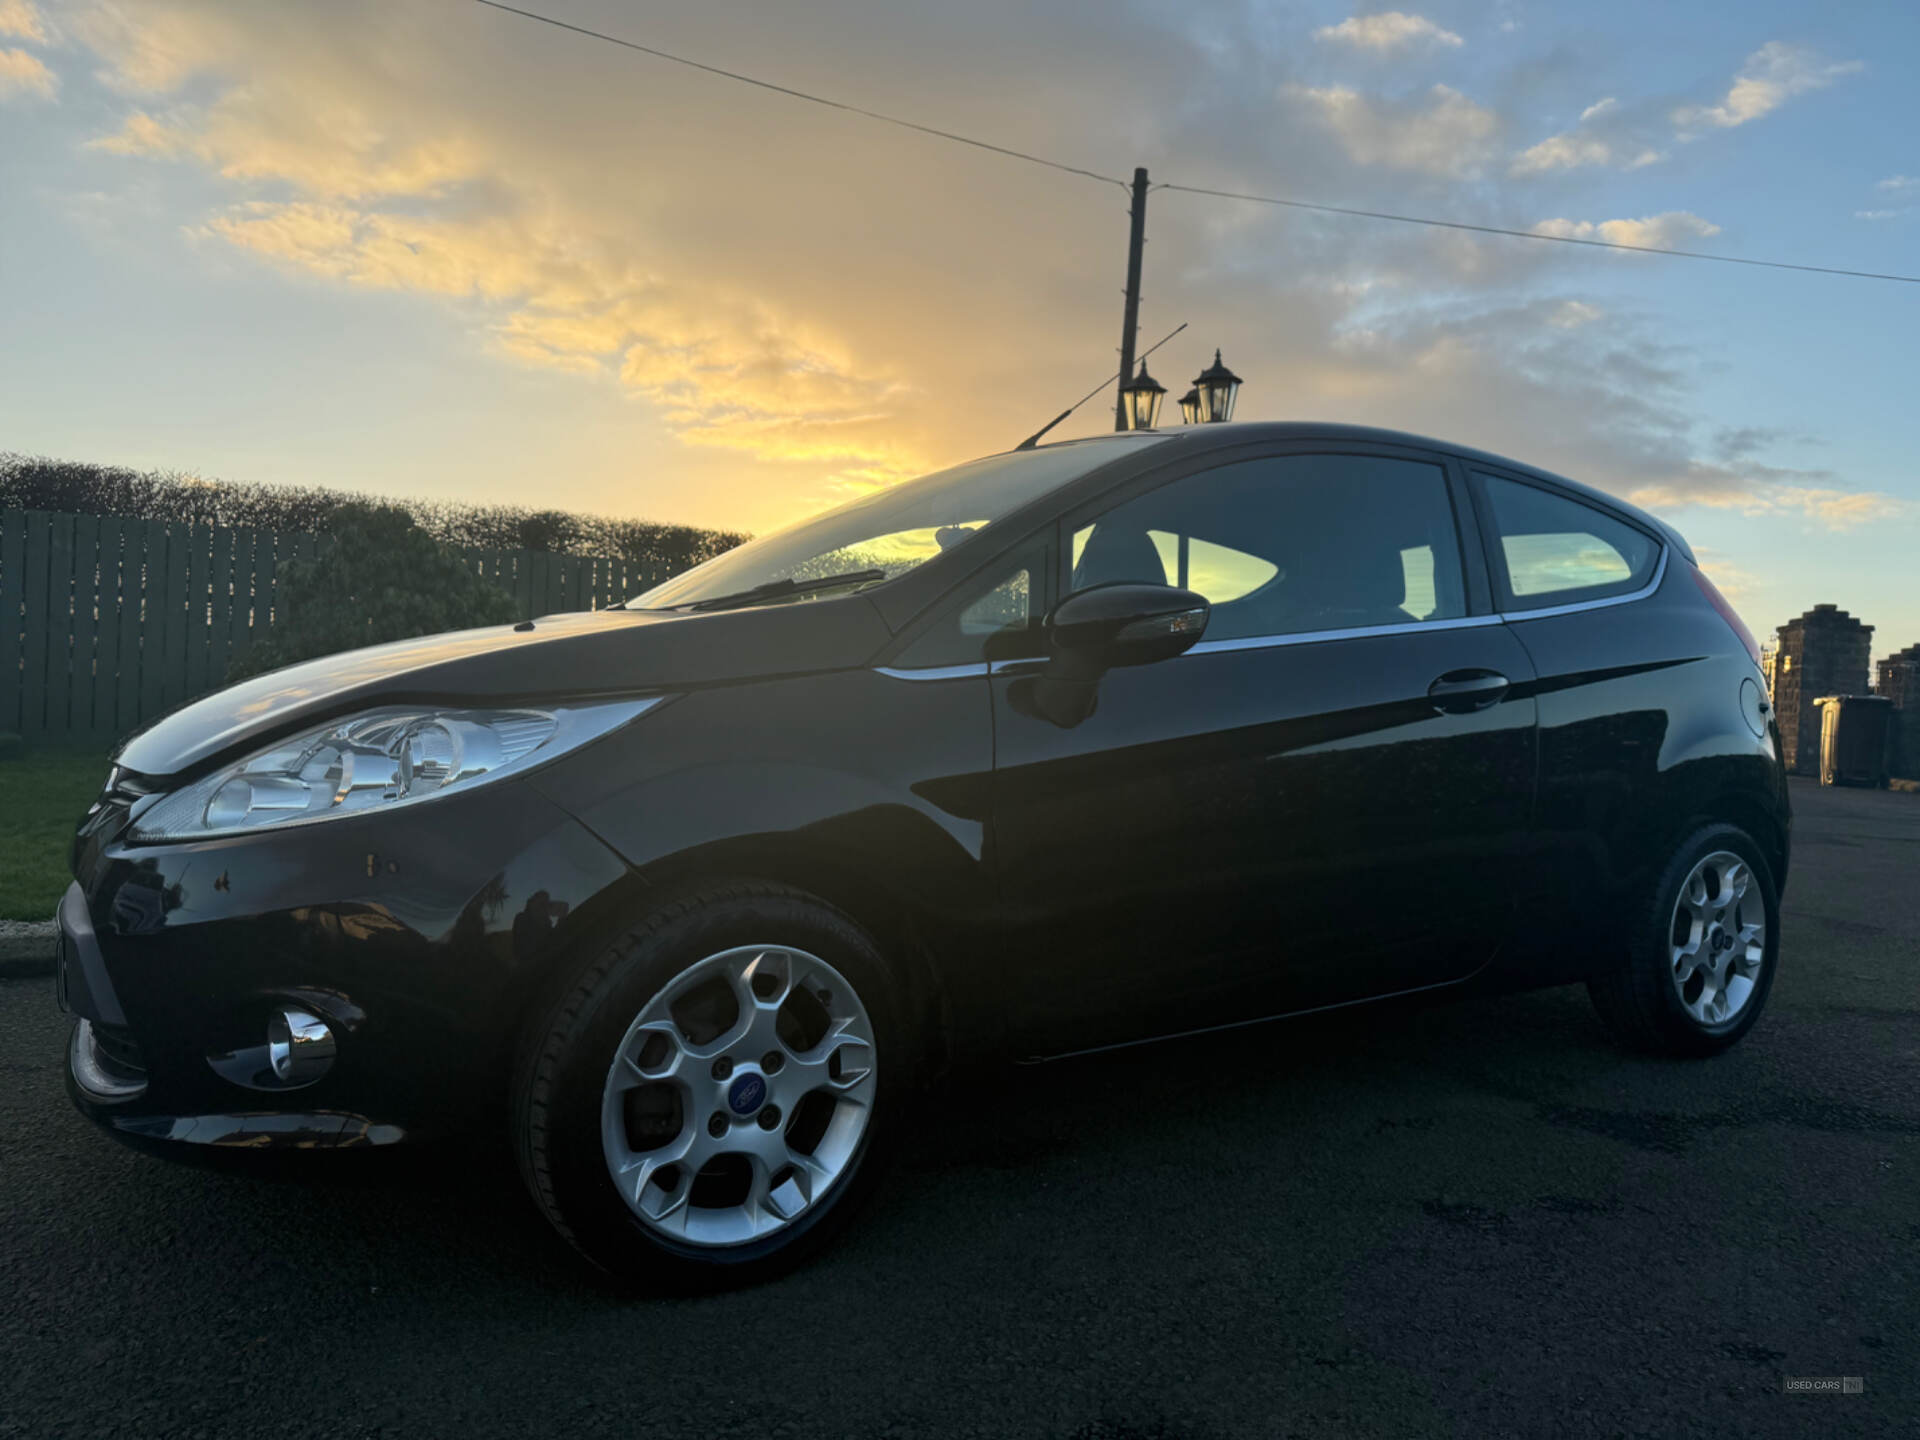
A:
(33, 482)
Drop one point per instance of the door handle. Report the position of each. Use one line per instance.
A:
(1461, 692)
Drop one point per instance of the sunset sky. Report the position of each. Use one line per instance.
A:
(422, 247)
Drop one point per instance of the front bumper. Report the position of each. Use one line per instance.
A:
(417, 939)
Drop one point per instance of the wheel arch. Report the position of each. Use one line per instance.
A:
(901, 927)
(1734, 807)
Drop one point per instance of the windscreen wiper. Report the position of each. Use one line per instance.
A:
(788, 586)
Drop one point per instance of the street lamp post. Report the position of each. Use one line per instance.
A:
(1137, 405)
(1130, 321)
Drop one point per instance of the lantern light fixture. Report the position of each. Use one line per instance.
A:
(1217, 388)
(1142, 396)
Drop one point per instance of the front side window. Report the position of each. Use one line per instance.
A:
(1558, 550)
(994, 619)
(1290, 544)
(1007, 606)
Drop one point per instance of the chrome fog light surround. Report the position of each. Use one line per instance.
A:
(96, 1075)
(300, 1047)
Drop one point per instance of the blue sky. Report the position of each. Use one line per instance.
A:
(430, 249)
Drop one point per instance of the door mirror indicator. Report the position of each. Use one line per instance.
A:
(1100, 628)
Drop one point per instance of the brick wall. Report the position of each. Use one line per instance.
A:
(1823, 652)
(1898, 678)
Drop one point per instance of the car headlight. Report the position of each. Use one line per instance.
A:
(377, 760)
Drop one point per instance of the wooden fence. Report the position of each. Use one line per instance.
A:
(106, 623)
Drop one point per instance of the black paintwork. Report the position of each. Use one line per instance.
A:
(1225, 835)
(1269, 830)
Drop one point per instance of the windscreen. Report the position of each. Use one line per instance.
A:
(883, 535)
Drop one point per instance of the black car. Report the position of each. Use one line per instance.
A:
(1071, 747)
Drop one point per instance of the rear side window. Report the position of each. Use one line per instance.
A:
(1558, 551)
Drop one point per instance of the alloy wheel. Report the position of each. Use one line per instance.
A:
(739, 1095)
(1718, 938)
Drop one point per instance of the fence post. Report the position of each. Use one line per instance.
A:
(133, 589)
(220, 612)
(86, 591)
(239, 615)
(198, 584)
(13, 550)
(59, 613)
(156, 635)
(536, 570)
(106, 662)
(39, 618)
(266, 585)
(173, 605)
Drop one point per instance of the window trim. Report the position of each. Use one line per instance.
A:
(979, 668)
(1209, 647)
(1462, 622)
(1515, 607)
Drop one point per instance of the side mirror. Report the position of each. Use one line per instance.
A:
(1127, 623)
(1094, 630)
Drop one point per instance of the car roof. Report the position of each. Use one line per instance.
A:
(1206, 437)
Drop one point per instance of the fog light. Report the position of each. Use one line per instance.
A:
(300, 1047)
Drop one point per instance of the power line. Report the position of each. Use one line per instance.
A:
(1535, 234)
(803, 95)
(1032, 159)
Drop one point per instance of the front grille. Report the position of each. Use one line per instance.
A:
(125, 787)
(116, 802)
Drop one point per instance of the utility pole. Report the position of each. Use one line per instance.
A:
(1135, 239)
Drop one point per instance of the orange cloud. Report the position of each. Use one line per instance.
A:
(724, 370)
(22, 20)
(1658, 232)
(24, 75)
(355, 181)
(1725, 488)
(336, 152)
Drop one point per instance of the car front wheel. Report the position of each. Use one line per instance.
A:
(708, 1100)
(1702, 952)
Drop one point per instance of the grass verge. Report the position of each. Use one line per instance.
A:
(43, 794)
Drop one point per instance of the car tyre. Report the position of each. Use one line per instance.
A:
(564, 1074)
(1662, 999)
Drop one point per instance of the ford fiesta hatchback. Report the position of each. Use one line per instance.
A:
(1070, 747)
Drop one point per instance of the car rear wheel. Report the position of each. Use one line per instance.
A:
(1703, 950)
(707, 1102)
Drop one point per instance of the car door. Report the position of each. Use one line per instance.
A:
(1315, 804)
